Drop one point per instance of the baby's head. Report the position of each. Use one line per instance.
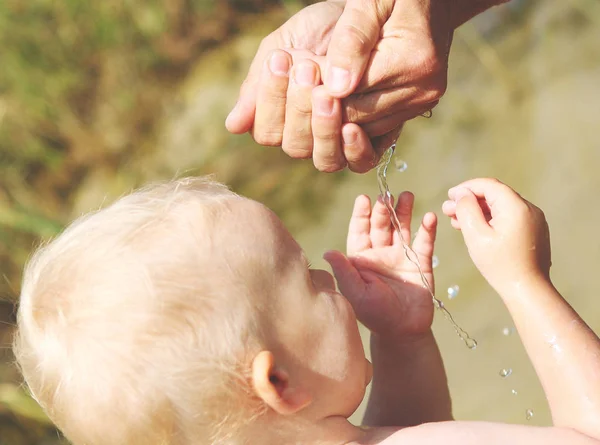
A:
(185, 314)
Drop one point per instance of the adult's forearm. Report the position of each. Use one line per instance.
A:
(409, 383)
(465, 10)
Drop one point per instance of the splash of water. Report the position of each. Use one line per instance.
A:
(453, 291)
(388, 198)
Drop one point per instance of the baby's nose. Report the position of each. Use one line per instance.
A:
(323, 279)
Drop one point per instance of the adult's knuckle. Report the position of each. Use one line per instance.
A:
(275, 94)
(330, 166)
(297, 148)
(360, 167)
(324, 135)
(437, 89)
(426, 62)
(267, 43)
(297, 152)
(270, 138)
(362, 161)
(354, 40)
(299, 108)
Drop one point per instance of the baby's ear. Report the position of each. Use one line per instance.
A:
(272, 384)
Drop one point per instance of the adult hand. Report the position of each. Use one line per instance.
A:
(392, 54)
(271, 112)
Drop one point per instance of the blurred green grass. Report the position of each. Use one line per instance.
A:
(84, 87)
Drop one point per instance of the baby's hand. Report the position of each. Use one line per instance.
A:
(383, 286)
(507, 236)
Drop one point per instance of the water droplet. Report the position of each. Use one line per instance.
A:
(401, 166)
(505, 372)
(529, 414)
(514, 392)
(453, 291)
(471, 344)
(435, 261)
(508, 331)
(409, 252)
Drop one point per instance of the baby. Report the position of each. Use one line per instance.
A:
(186, 314)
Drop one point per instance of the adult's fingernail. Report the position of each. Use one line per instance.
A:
(305, 73)
(279, 64)
(338, 79)
(324, 105)
(349, 136)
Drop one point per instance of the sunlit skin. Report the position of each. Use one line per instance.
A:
(318, 369)
(500, 229)
(313, 329)
(291, 366)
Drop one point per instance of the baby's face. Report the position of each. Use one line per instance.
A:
(311, 325)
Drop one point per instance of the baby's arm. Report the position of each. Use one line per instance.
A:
(564, 350)
(409, 381)
(508, 239)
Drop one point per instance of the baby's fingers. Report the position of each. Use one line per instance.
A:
(454, 223)
(449, 208)
(359, 238)
(469, 214)
(425, 239)
(381, 225)
(404, 210)
(493, 195)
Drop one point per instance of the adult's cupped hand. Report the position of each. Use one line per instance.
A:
(383, 62)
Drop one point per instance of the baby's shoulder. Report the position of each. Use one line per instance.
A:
(377, 436)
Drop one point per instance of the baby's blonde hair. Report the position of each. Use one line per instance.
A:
(129, 331)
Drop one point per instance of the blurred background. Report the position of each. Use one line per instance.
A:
(97, 98)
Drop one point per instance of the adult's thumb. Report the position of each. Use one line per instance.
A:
(355, 35)
(469, 215)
